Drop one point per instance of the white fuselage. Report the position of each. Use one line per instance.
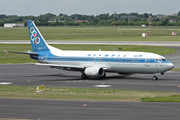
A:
(111, 61)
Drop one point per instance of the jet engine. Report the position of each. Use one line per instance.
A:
(94, 71)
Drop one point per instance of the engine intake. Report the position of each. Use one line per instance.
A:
(94, 71)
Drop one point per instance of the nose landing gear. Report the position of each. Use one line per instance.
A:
(155, 78)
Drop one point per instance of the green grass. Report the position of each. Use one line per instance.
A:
(93, 33)
(80, 93)
(21, 58)
(173, 98)
(175, 69)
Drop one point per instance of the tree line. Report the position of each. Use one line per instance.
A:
(123, 19)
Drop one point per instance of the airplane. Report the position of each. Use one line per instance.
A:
(94, 63)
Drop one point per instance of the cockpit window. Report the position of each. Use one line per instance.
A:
(163, 59)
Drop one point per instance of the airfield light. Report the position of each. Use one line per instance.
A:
(7, 52)
(84, 105)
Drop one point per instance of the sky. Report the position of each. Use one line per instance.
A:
(87, 7)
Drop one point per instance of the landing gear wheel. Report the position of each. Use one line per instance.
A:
(103, 76)
(155, 78)
(83, 76)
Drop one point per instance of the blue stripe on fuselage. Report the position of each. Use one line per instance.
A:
(46, 55)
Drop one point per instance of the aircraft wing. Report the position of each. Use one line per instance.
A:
(67, 67)
(63, 67)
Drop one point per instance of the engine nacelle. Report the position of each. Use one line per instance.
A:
(94, 71)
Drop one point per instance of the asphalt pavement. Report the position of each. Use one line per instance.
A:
(94, 110)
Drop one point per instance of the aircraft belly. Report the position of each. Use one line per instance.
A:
(84, 64)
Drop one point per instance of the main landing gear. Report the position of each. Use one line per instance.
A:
(83, 76)
(103, 76)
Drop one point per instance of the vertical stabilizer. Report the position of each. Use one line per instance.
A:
(37, 41)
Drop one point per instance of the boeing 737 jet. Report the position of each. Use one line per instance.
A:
(95, 63)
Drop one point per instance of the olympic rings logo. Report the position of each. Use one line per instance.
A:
(34, 36)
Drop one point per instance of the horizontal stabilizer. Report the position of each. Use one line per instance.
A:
(21, 52)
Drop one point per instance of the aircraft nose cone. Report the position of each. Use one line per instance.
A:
(170, 66)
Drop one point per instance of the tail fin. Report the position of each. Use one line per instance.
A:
(38, 43)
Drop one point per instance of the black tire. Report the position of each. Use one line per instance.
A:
(155, 78)
(103, 76)
(83, 76)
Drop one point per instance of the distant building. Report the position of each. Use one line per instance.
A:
(162, 16)
(174, 14)
(80, 21)
(128, 16)
(172, 20)
(52, 21)
(143, 25)
(13, 24)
